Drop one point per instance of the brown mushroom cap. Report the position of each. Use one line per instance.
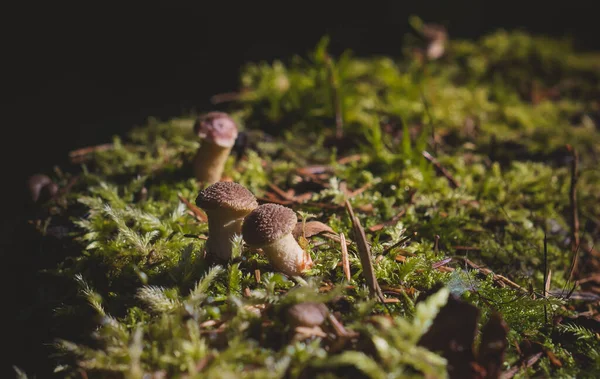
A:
(268, 223)
(227, 195)
(41, 187)
(434, 32)
(306, 314)
(217, 127)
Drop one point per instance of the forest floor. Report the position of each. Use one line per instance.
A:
(471, 169)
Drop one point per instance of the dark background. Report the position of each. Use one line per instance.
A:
(76, 76)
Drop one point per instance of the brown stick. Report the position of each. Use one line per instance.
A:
(257, 275)
(497, 278)
(225, 97)
(357, 192)
(284, 195)
(365, 255)
(350, 158)
(391, 221)
(515, 369)
(197, 212)
(345, 260)
(339, 329)
(441, 170)
(78, 156)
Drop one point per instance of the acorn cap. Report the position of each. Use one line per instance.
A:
(217, 127)
(268, 223)
(307, 314)
(226, 195)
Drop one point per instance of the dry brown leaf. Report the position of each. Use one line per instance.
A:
(311, 228)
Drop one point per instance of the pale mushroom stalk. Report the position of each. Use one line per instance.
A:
(209, 162)
(218, 132)
(226, 204)
(223, 226)
(270, 227)
(287, 256)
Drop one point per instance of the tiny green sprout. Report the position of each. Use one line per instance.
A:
(305, 216)
(237, 244)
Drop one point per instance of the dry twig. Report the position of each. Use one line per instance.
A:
(515, 369)
(441, 170)
(365, 255)
(345, 260)
(194, 210)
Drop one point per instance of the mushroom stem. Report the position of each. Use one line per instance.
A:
(209, 162)
(287, 256)
(222, 227)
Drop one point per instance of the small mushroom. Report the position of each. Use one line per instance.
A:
(306, 314)
(226, 204)
(437, 37)
(270, 227)
(218, 132)
(41, 188)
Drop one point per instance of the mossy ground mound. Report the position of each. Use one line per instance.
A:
(457, 168)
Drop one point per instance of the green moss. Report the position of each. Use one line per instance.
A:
(158, 306)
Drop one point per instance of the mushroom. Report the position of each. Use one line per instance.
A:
(41, 188)
(436, 36)
(226, 204)
(307, 314)
(269, 227)
(218, 132)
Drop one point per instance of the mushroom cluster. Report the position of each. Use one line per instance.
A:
(232, 210)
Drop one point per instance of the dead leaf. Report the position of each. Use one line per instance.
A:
(452, 334)
(553, 358)
(311, 228)
(493, 345)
